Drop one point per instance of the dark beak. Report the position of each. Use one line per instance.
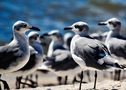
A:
(102, 23)
(34, 28)
(68, 28)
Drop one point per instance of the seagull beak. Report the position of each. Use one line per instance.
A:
(102, 23)
(34, 28)
(68, 28)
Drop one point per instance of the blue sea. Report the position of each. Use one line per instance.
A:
(56, 14)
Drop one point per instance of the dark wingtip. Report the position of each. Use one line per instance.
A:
(120, 66)
(123, 66)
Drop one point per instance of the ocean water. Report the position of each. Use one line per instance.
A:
(56, 14)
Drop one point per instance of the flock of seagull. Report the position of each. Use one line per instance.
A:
(65, 57)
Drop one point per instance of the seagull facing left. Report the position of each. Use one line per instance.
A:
(16, 54)
(89, 53)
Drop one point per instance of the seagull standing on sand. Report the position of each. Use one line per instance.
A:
(35, 59)
(62, 64)
(15, 55)
(114, 41)
(89, 53)
(59, 59)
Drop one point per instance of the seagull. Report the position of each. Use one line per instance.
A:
(45, 41)
(36, 53)
(16, 54)
(89, 53)
(56, 43)
(59, 59)
(114, 41)
(35, 60)
(62, 64)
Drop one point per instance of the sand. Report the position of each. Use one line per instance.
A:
(102, 85)
(105, 82)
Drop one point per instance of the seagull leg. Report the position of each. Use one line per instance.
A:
(18, 82)
(74, 80)
(36, 76)
(31, 76)
(115, 76)
(6, 87)
(88, 75)
(111, 75)
(119, 73)
(26, 79)
(59, 80)
(0, 83)
(65, 80)
(95, 80)
(81, 80)
(78, 81)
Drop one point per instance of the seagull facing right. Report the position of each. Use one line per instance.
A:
(15, 55)
(114, 41)
(35, 60)
(89, 53)
(36, 53)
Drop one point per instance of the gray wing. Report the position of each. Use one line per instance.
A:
(60, 54)
(91, 50)
(63, 61)
(9, 55)
(118, 47)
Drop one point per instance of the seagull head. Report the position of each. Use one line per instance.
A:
(22, 27)
(112, 24)
(54, 34)
(78, 27)
(34, 36)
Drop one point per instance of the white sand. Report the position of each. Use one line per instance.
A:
(102, 85)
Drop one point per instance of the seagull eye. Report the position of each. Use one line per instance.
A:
(110, 22)
(24, 25)
(76, 26)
